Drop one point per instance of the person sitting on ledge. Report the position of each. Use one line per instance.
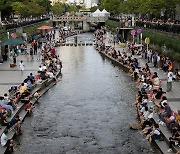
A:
(155, 134)
(23, 88)
(174, 140)
(3, 104)
(155, 79)
(31, 78)
(157, 94)
(6, 142)
(52, 76)
(4, 121)
(37, 95)
(29, 107)
(176, 75)
(166, 113)
(15, 124)
(26, 96)
(9, 101)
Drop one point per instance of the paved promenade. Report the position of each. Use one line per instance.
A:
(173, 96)
(13, 76)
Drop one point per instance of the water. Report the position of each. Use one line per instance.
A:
(88, 112)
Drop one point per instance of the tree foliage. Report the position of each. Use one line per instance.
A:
(24, 8)
(143, 7)
(59, 8)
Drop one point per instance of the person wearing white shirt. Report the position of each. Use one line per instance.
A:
(169, 80)
(40, 68)
(4, 138)
(44, 67)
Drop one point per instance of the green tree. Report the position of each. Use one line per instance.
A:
(72, 8)
(58, 8)
(46, 4)
(6, 8)
(111, 5)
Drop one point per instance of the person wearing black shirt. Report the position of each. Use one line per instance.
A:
(174, 140)
(166, 113)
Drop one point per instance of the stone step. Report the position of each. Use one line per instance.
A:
(24, 113)
(163, 146)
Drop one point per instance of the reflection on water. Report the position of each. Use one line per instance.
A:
(89, 111)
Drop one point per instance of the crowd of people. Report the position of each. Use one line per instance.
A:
(151, 100)
(23, 93)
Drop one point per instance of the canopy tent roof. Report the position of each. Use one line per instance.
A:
(12, 41)
(45, 28)
(97, 11)
(104, 11)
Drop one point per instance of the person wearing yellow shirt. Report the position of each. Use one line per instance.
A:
(23, 88)
(177, 120)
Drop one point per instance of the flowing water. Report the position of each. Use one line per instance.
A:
(87, 112)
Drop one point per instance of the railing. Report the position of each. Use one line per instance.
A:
(173, 28)
(25, 23)
(88, 18)
(69, 18)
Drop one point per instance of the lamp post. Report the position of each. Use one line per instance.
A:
(141, 41)
(147, 41)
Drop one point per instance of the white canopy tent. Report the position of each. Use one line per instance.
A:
(105, 13)
(97, 13)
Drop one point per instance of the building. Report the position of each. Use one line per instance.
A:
(87, 3)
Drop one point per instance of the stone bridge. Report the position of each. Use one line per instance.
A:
(85, 20)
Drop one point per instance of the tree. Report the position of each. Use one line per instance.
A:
(111, 5)
(20, 9)
(58, 8)
(93, 9)
(72, 8)
(6, 8)
(46, 4)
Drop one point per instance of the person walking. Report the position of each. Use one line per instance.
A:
(21, 66)
(155, 59)
(27, 55)
(35, 48)
(38, 54)
(149, 53)
(158, 61)
(14, 59)
(31, 54)
(169, 80)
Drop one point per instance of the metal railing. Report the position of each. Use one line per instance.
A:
(24, 23)
(172, 28)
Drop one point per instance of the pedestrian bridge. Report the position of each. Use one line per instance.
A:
(86, 20)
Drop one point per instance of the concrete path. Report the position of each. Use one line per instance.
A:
(174, 95)
(13, 76)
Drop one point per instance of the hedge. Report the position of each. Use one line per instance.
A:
(172, 43)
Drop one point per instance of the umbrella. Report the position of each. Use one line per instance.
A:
(12, 41)
(45, 28)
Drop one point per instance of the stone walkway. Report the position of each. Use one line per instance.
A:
(13, 76)
(174, 95)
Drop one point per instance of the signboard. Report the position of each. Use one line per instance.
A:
(147, 40)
